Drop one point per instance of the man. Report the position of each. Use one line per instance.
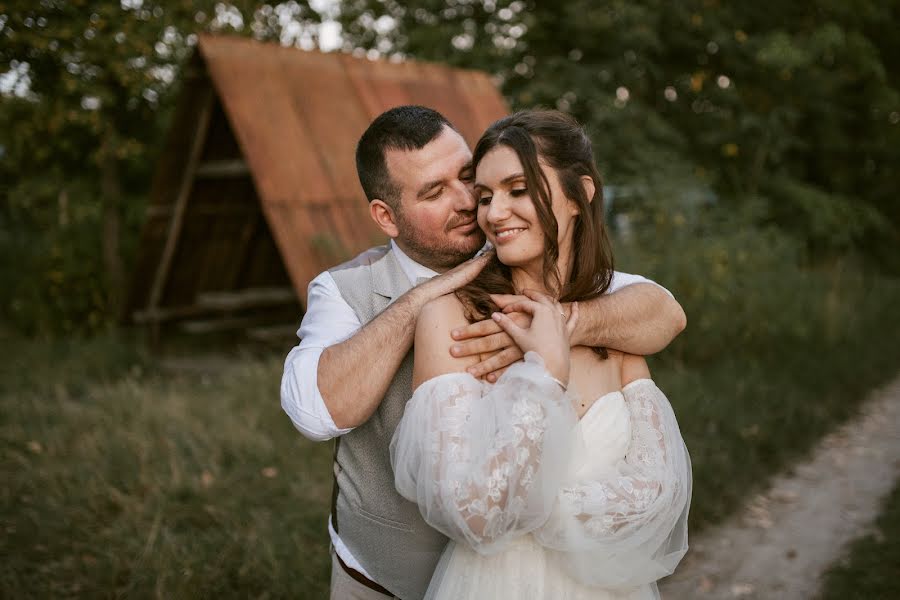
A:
(350, 376)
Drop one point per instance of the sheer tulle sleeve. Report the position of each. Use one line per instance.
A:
(484, 463)
(625, 524)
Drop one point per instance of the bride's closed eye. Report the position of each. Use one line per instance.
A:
(515, 193)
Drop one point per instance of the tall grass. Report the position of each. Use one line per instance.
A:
(774, 355)
(132, 482)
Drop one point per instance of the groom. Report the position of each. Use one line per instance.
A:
(350, 376)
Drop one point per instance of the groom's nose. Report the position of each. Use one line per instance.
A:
(464, 197)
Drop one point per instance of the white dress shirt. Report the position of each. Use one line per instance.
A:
(329, 320)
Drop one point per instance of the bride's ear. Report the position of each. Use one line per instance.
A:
(589, 187)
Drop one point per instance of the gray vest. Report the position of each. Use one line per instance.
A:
(382, 530)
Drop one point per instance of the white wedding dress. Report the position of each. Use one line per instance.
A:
(537, 503)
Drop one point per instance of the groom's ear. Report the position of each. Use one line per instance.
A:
(384, 217)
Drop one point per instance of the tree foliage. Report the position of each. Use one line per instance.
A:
(791, 107)
(775, 114)
(84, 107)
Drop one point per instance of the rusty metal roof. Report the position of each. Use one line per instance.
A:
(260, 125)
(297, 117)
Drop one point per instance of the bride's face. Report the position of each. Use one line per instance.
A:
(507, 215)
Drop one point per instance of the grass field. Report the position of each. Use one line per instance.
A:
(121, 480)
(125, 479)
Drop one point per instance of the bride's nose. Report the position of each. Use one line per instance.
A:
(498, 210)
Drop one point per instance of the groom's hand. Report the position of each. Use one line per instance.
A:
(487, 339)
(450, 281)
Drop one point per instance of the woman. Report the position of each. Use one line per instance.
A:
(568, 478)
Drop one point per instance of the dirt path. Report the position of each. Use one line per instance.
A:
(784, 539)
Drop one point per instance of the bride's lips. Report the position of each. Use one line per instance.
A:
(507, 234)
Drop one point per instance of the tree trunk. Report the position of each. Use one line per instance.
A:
(111, 191)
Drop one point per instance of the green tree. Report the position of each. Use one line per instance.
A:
(84, 107)
(790, 108)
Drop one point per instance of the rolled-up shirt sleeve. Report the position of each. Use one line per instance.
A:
(621, 280)
(328, 320)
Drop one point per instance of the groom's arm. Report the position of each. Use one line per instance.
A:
(637, 317)
(335, 379)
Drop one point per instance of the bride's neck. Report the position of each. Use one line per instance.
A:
(525, 279)
(532, 277)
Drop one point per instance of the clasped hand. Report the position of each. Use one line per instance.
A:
(533, 322)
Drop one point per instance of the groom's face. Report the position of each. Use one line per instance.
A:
(435, 216)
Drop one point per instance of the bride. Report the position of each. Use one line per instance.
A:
(568, 477)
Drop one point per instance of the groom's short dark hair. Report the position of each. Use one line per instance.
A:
(401, 128)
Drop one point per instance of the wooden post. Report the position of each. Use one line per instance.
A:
(177, 220)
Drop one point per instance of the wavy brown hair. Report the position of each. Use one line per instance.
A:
(557, 140)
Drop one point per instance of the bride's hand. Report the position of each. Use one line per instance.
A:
(548, 334)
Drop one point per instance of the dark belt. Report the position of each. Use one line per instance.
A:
(362, 579)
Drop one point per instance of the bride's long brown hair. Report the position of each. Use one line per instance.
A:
(558, 141)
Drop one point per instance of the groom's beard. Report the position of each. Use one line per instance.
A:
(442, 251)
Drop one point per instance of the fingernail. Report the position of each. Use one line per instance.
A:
(454, 334)
(496, 316)
(454, 350)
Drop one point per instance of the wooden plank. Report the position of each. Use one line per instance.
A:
(203, 326)
(206, 210)
(220, 302)
(273, 333)
(161, 315)
(242, 248)
(247, 298)
(215, 169)
(184, 190)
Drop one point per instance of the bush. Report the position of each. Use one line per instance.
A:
(51, 263)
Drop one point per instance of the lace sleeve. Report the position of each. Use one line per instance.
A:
(625, 524)
(484, 463)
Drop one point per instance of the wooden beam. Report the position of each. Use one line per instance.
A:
(160, 315)
(273, 333)
(161, 211)
(218, 303)
(222, 324)
(248, 233)
(184, 191)
(219, 169)
(247, 298)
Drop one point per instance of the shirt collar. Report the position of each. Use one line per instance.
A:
(411, 268)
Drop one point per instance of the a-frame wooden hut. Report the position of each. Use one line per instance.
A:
(256, 191)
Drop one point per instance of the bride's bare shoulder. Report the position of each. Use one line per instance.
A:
(444, 309)
(432, 345)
